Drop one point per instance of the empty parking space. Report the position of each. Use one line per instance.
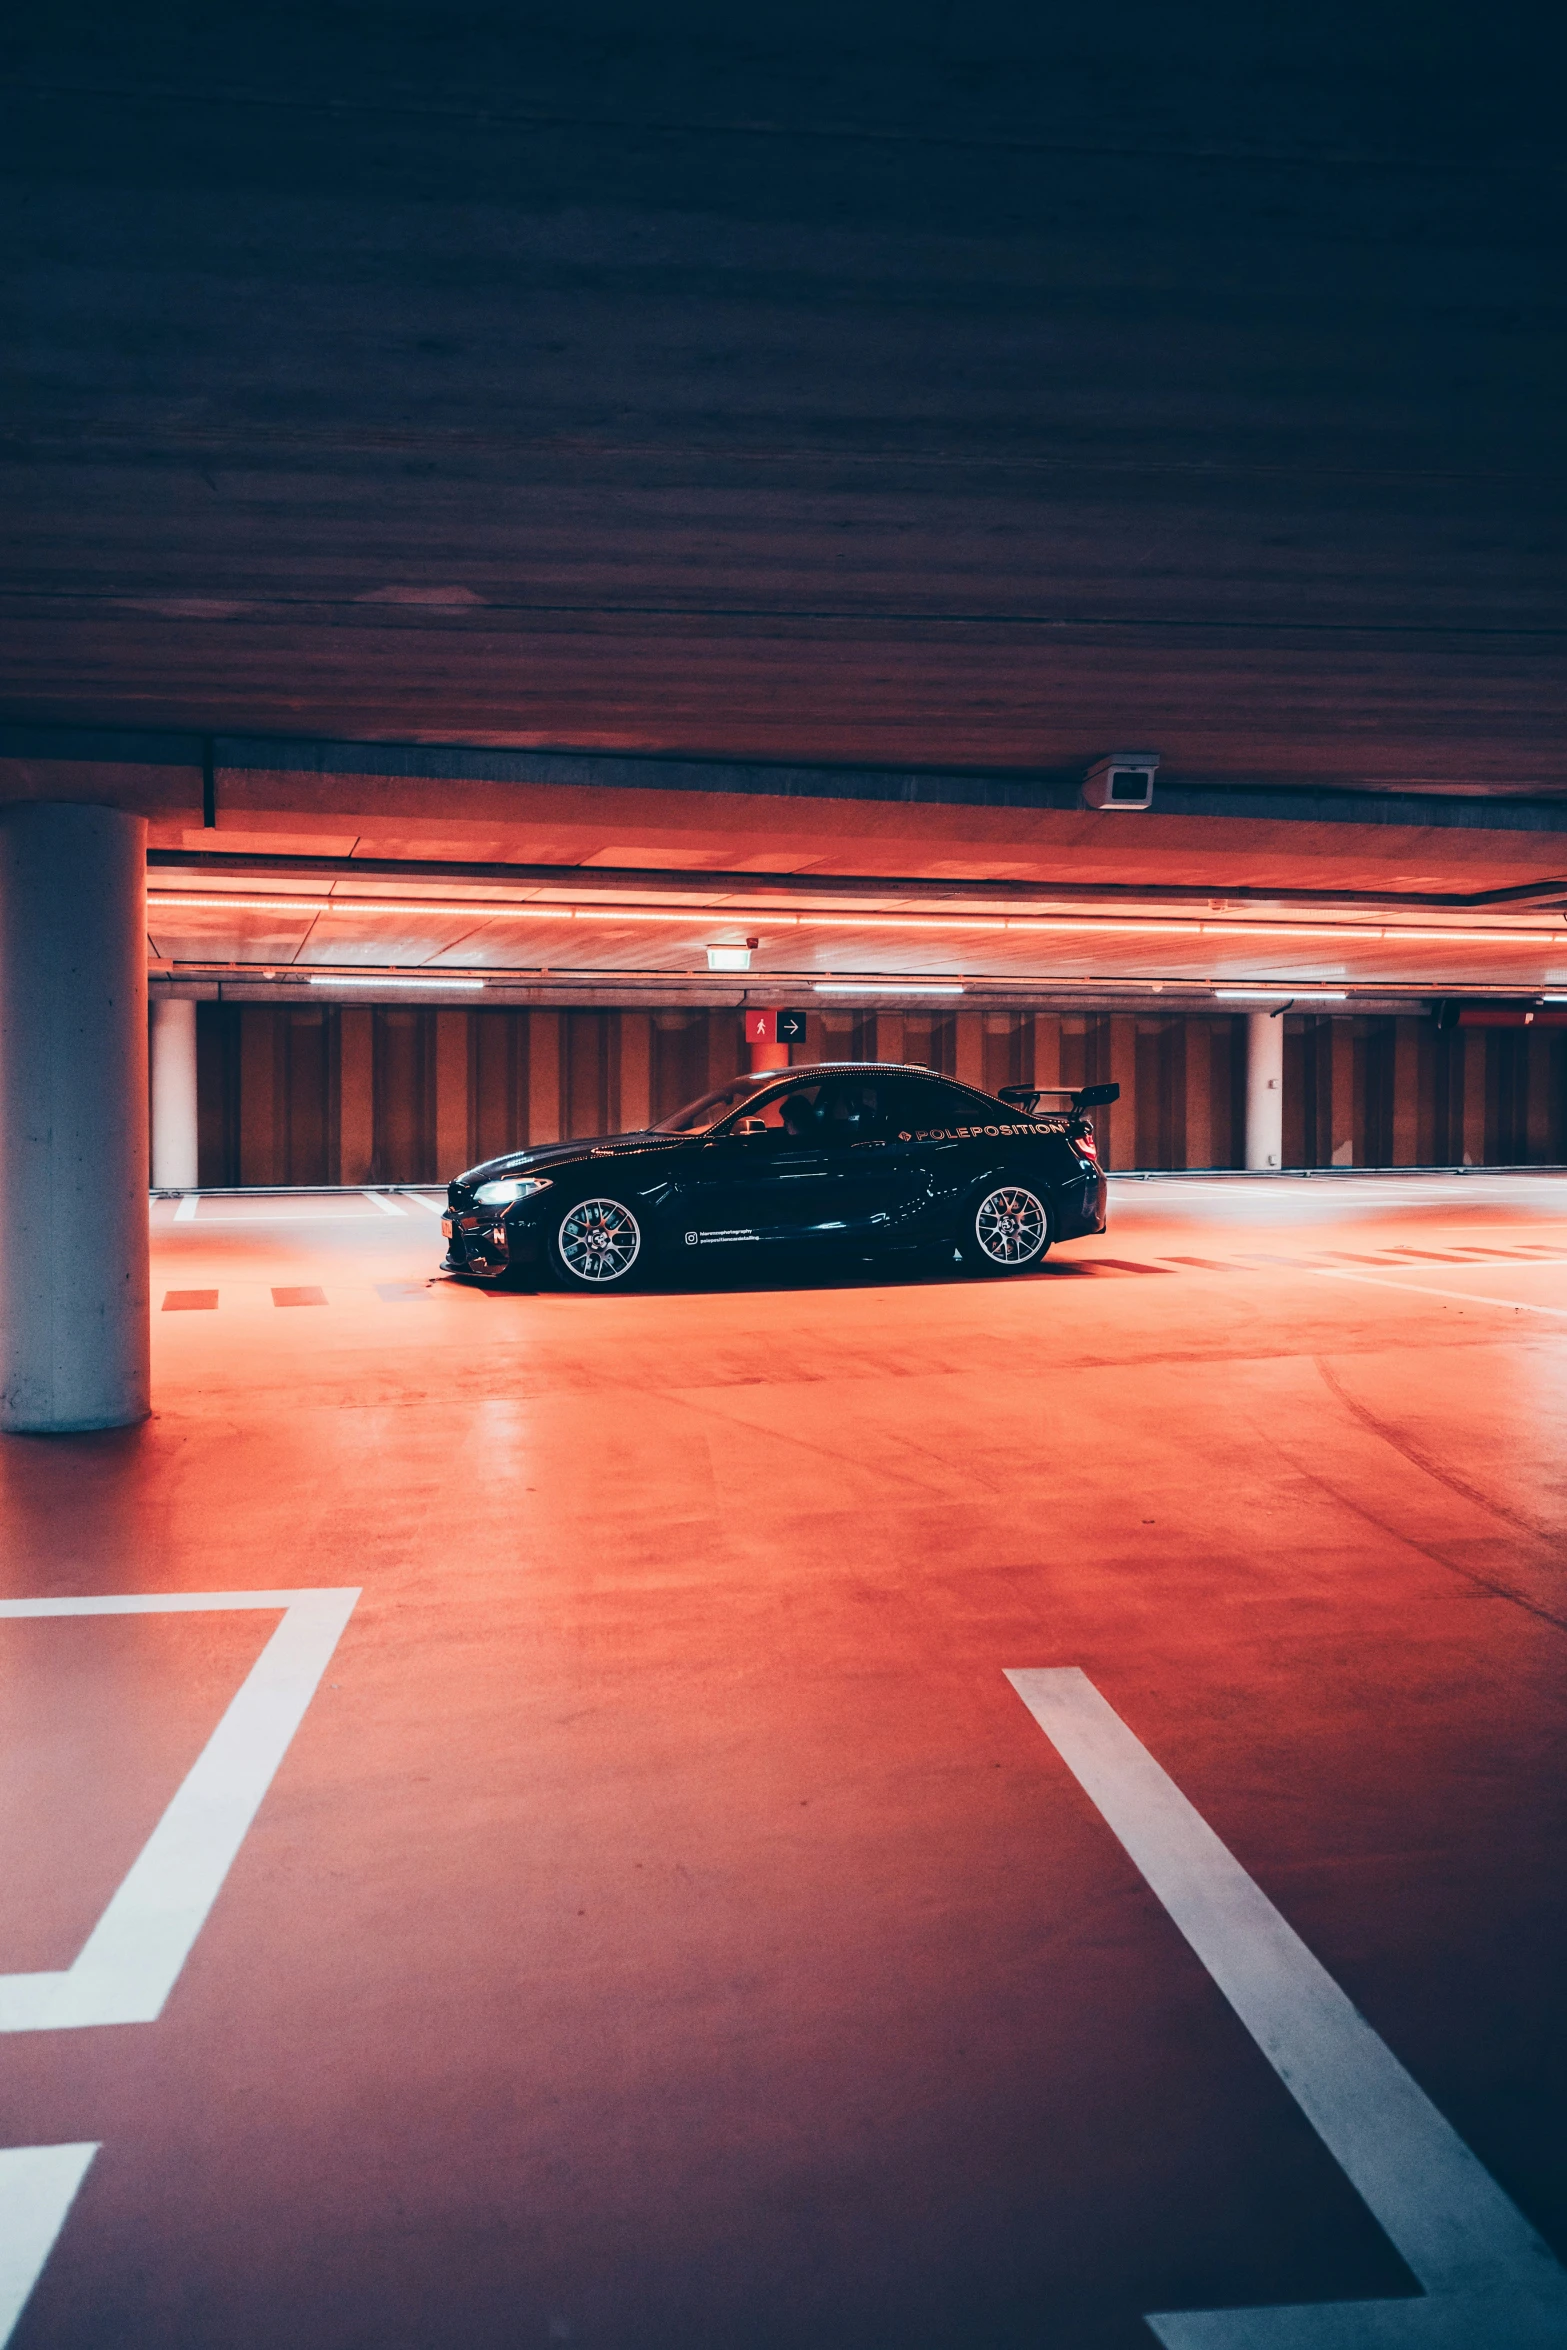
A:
(663, 1924)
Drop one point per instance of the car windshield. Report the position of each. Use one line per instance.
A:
(698, 1116)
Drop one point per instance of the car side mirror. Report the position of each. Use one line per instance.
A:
(749, 1126)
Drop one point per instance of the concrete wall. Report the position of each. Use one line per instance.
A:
(404, 1093)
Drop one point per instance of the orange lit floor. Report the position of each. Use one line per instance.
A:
(667, 1929)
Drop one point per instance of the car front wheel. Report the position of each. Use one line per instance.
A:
(1008, 1230)
(598, 1244)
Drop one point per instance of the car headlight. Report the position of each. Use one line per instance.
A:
(508, 1188)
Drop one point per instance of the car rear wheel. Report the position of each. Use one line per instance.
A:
(598, 1244)
(1008, 1230)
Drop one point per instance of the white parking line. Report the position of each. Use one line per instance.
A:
(318, 1216)
(1490, 2282)
(37, 2188)
(437, 1207)
(187, 1207)
(388, 1207)
(131, 1960)
(1465, 1297)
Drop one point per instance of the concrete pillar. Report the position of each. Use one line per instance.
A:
(174, 1094)
(636, 1071)
(74, 1273)
(1474, 1041)
(1264, 1090)
(1406, 1093)
(355, 1092)
(452, 1152)
(1538, 1098)
(544, 1077)
(767, 1056)
(970, 1068)
(1197, 1075)
(1117, 1127)
(726, 1046)
(1342, 1049)
(889, 1036)
(1047, 1048)
(261, 1154)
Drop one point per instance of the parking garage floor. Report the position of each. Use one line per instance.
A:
(648, 1917)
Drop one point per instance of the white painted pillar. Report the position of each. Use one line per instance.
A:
(74, 1274)
(1264, 1090)
(174, 1094)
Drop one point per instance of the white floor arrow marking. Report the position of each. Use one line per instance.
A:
(131, 1960)
(1490, 2283)
(37, 2187)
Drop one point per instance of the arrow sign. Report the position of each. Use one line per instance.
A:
(1489, 2281)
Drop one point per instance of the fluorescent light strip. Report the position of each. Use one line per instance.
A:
(338, 979)
(245, 905)
(702, 917)
(887, 986)
(1283, 995)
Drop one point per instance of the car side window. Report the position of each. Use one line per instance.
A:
(850, 1111)
(924, 1106)
(791, 1116)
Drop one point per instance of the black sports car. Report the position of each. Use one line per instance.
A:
(855, 1156)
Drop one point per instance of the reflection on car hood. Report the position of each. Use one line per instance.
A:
(556, 1154)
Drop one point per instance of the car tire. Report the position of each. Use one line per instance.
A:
(1006, 1230)
(598, 1243)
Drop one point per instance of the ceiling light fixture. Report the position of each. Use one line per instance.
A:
(243, 905)
(341, 979)
(887, 986)
(729, 958)
(698, 917)
(1278, 995)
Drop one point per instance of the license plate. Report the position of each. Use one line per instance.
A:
(446, 1226)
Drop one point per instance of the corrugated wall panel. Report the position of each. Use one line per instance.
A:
(404, 1094)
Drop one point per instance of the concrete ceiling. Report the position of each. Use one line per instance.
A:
(947, 387)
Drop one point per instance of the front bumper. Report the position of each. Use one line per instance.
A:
(484, 1250)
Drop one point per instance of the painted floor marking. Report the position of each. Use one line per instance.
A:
(1465, 1297)
(437, 1207)
(131, 1960)
(388, 1207)
(302, 1216)
(187, 1207)
(1489, 2282)
(37, 2188)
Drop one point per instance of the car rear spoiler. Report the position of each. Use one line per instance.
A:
(1084, 1097)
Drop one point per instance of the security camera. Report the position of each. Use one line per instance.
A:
(1123, 780)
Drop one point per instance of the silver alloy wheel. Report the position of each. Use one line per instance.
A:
(1010, 1225)
(600, 1240)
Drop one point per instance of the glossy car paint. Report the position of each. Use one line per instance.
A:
(910, 1178)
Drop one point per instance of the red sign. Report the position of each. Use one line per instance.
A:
(758, 1027)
